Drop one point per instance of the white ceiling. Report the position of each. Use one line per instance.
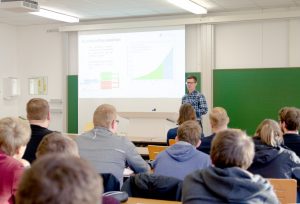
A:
(88, 10)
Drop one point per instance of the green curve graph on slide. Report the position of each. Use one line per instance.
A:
(163, 71)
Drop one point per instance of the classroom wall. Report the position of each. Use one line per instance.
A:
(32, 51)
(259, 44)
(8, 67)
(40, 53)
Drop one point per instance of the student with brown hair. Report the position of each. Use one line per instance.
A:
(56, 142)
(228, 181)
(14, 136)
(271, 159)
(186, 112)
(106, 151)
(182, 158)
(218, 121)
(289, 118)
(57, 178)
(38, 116)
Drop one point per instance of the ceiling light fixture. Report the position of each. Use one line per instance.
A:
(56, 16)
(190, 6)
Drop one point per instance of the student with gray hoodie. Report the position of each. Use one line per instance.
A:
(182, 158)
(228, 181)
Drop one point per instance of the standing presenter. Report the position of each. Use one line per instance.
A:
(195, 98)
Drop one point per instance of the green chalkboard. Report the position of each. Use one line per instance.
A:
(251, 95)
(72, 81)
(198, 76)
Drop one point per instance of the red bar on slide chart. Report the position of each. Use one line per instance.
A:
(109, 80)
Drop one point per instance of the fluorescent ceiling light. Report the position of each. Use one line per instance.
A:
(189, 5)
(56, 16)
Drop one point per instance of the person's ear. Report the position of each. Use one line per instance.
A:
(18, 151)
(176, 139)
(48, 116)
(198, 144)
(113, 124)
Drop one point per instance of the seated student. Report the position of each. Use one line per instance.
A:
(289, 118)
(271, 160)
(106, 151)
(228, 181)
(14, 136)
(186, 112)
(182, 158)
(55, 142)
(218, 121)
(38, 116)
(57, 178)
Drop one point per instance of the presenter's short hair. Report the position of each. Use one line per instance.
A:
(269, 132)
(104, 115)
(218, 117)
(56, 142)
(192, 77)
(189, 131)
(186, 112)
(232, 148)
(14, 133)
(37, 109)
(56, 178)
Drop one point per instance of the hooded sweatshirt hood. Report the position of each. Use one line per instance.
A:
(229, 185)
(265, 153)
(181, 151)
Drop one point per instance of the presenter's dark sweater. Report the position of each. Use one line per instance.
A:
(37, 134)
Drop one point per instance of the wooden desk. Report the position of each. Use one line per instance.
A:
(145, 141)
(143, 151)
(132, 200)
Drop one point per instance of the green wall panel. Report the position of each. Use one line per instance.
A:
(251, 95)
(72, 104)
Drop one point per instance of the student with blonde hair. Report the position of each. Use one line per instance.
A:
(108, 152)
(271, 159)
(38, 115)
(14, 136)
(218, 121)
(228, 181)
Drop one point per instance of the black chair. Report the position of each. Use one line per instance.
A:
(110, 182)
(153, 186)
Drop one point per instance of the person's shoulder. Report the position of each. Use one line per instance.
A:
(202, 155)
(11, 163)
(172, 132)
(291, 137)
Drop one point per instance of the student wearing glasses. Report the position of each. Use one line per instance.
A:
(195, 98)
(108, 152)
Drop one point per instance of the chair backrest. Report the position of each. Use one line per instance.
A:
(285, 189)
(88, 126)
(172, 141)
(154, 150)
(110, 182)
(145, 185)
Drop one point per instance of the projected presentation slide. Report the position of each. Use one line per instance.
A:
(143, 64)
